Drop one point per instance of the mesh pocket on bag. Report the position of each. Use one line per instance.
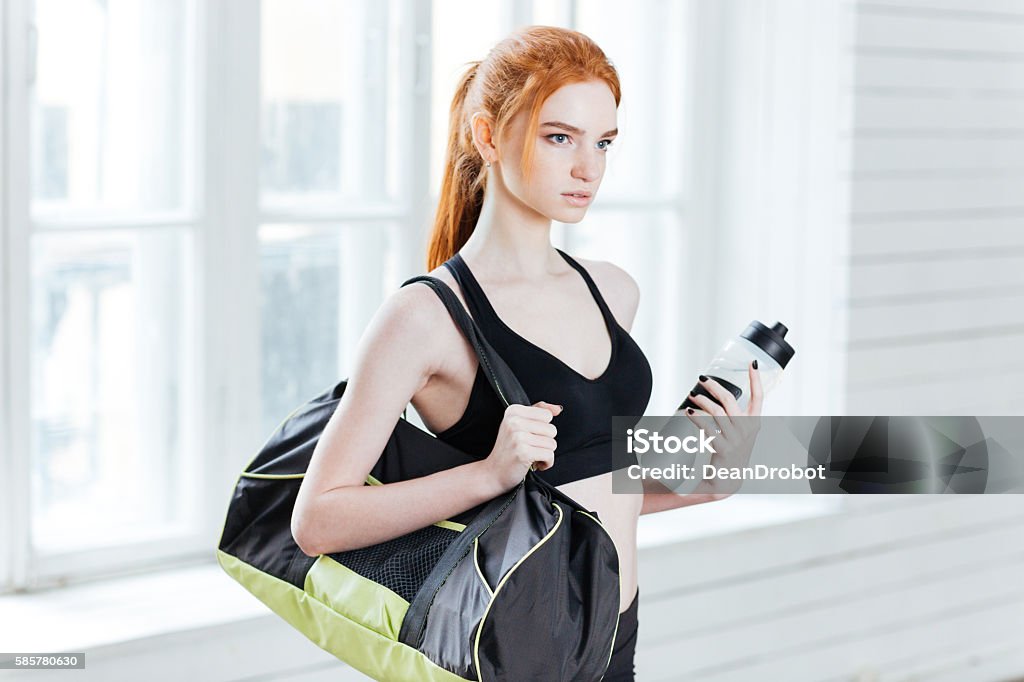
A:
(401, 564)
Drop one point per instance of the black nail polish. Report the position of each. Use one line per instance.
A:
(689, 410)
(755, 364)
(702, 377)
(693, 393)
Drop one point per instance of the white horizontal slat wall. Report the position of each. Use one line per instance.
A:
(920, 585)
(923, 588)
(936, 304)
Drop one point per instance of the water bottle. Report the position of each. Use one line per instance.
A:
(729, 366)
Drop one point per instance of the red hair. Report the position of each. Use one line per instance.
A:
(518, 74)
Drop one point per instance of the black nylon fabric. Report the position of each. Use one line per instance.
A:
(560, 606)
(257, 528)
(554, 573)
(517, 530)
(252, 532)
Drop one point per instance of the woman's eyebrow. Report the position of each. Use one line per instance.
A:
(578, 131)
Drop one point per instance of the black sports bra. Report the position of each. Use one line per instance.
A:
(585, 425)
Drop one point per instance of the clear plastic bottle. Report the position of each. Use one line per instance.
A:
(729, 366)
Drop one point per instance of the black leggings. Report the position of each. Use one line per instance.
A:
(621, 667)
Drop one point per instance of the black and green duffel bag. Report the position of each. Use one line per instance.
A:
(524, 587)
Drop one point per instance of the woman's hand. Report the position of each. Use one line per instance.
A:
(526, 437)
(735, 430)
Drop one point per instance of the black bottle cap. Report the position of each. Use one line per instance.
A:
(771, 340)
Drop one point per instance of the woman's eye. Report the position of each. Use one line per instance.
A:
(608, 143)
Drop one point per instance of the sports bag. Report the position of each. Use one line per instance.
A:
(521, 587)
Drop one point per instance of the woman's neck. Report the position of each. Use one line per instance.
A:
(511, 241)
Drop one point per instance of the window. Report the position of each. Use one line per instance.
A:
(108, 108)
(328, 101)
(110, 359)
(208, 202)
(102, 296)
(332, 212)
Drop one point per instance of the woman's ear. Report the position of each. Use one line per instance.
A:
(483, 136)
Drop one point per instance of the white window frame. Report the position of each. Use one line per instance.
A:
(14, 284)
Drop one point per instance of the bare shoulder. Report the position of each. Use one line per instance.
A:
(419, 309)
(619, 289)
(425, 319)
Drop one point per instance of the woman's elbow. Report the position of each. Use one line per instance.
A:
(303, 528)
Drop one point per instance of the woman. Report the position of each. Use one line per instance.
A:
(530, 128)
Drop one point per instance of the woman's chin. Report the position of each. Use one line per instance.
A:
(572, 216)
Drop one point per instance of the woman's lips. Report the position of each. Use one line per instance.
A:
(578, 200)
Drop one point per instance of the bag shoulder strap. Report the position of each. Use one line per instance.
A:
(510, 391)
(499, 375)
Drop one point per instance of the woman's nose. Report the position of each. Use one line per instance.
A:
(587, 168)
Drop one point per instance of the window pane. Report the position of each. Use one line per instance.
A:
(463, 31)
(320, 285)
(327, 113)
(648, 159)
(109, 106)
(109, 338)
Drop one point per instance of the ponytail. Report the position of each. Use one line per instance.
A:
(462, 184)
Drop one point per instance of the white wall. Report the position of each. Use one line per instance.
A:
(925, 585)
(937, 208)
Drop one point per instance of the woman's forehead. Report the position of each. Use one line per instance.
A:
(586, 106)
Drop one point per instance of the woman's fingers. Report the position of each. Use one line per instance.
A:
(756, 392)
(725, 397)
(704, 421)
(718, 419)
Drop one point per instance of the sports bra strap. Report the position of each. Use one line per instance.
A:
(594, 291)
(499, 375)
(479, 303)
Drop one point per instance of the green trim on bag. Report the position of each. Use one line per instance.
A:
(480, 574)
(451, 525)
(356, 597)
(367, 651)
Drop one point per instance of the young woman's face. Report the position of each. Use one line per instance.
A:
(577, 126)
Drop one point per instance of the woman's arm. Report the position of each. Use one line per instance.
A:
(664, 499)
(404, 344)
